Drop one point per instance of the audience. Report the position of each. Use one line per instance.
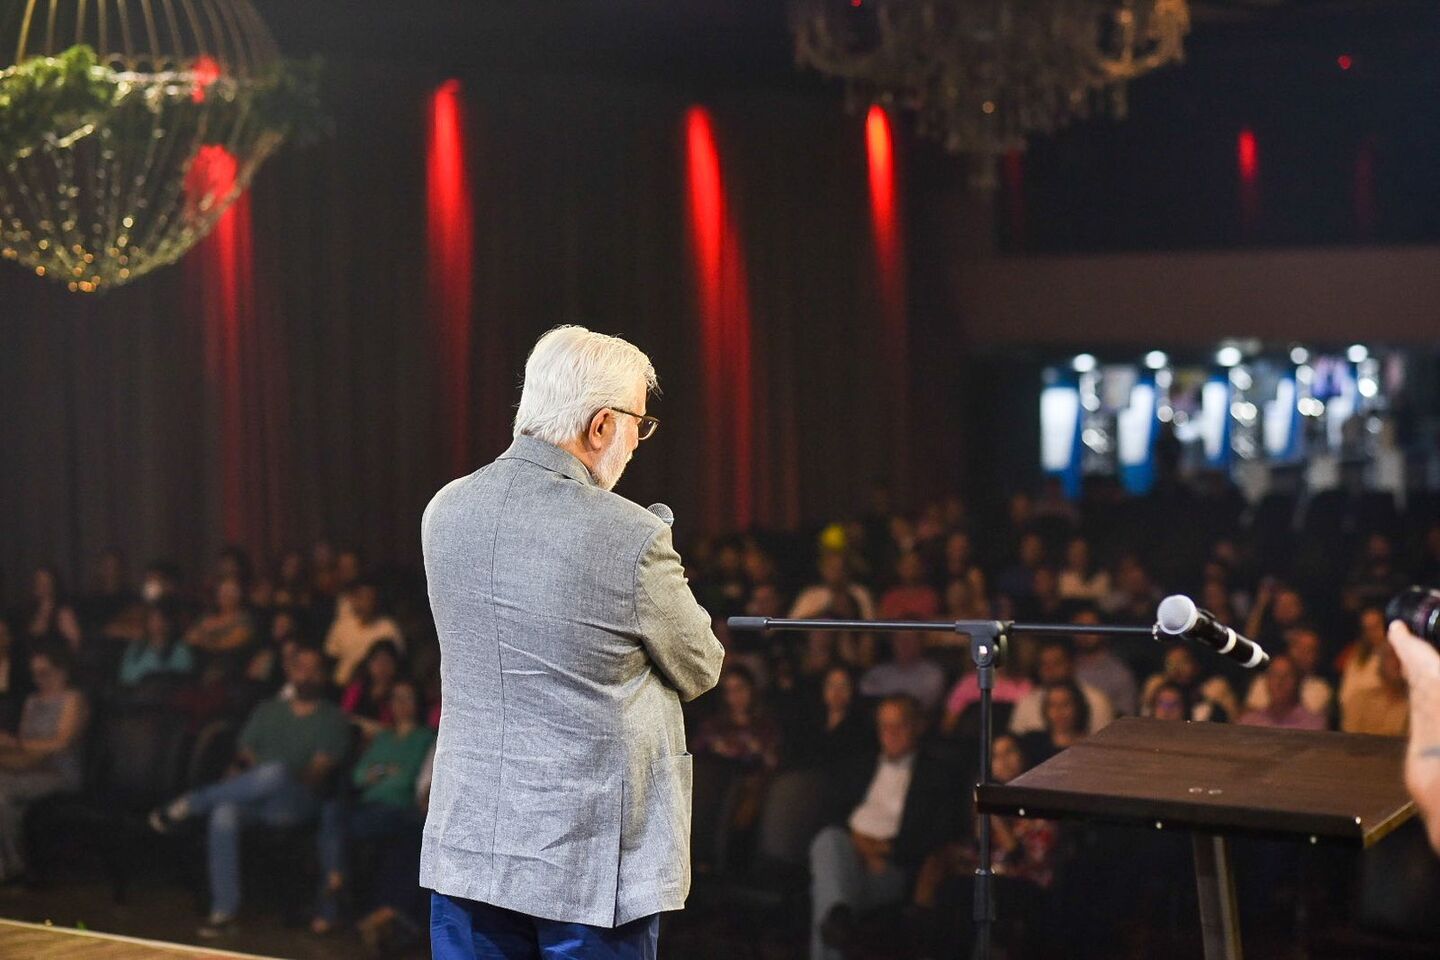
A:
(803, 702)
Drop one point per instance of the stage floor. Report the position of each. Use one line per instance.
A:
(35, 941)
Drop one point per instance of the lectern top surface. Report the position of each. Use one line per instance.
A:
(1220, 778)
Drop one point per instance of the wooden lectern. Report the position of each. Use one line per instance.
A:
(1214, 780)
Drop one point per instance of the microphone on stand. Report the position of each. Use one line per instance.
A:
(1178, 616)
(663, 512)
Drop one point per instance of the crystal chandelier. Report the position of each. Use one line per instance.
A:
(127, 128)
(983, 75)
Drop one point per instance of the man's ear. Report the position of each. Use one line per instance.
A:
(596, 432)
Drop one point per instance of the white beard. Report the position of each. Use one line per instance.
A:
(611, 464)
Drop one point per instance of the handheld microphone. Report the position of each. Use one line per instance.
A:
(1179, 617)
(663, 512)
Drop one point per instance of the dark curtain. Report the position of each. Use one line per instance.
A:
(131, 421)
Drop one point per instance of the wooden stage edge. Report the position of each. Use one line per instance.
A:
(35, 941)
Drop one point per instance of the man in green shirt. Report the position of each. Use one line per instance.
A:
(287, 751)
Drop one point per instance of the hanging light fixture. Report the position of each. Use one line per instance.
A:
(128, 127)
(982, 76)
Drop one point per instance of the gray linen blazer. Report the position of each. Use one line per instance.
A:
(568, 638)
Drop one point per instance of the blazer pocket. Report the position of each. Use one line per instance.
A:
(672, 778)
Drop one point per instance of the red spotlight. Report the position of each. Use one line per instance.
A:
(1248, 154)
(1345, 61)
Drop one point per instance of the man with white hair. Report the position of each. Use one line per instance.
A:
(559, 818)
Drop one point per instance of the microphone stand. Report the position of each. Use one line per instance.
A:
(988, 641)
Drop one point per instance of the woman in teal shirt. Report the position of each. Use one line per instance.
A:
(385, 808)
(159, 650)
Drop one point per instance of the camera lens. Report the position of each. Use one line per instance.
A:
(1419, 609)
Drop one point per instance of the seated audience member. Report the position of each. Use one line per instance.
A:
(1168, 702)
(742, 731)
(1302, 645)
(1133, 598)
(1381, 708)
(888, 812)
(367, 699)
(1067, 720)
(837, 728)
(835, 583)
(1018, 581)
(1011, 685)
(912, 598)
(836, 597)
(159, 651)
(1098, 666)
(292, 583)
(960, 566)
(909, 672)
(43, 756)
(724, 588)
(963, 603)
(288, 630)
(1277, 609)
(744, 734)
(287, 751)
(1081, 579)
(49, 615)
(385, 778)
(225, 636)
(1210, 698)
(1359, 663)
(1285, 709)
(14, 677)
(1024, 856)
(1057, 665)
(1044, 605)
(359, 626)
(111, 595)
(1375, 578)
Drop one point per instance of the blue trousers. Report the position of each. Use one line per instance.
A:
(265, 794)
(468, 930)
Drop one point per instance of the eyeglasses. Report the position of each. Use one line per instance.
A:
(648, 424)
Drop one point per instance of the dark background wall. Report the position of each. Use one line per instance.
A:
(118, 427)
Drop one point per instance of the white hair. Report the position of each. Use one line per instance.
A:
(571, 374)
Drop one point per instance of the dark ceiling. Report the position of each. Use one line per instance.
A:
(746, 42)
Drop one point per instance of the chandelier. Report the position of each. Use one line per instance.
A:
(982, 76)
(127, 128)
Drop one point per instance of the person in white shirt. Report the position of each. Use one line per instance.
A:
(888, 813)
(359, 626)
